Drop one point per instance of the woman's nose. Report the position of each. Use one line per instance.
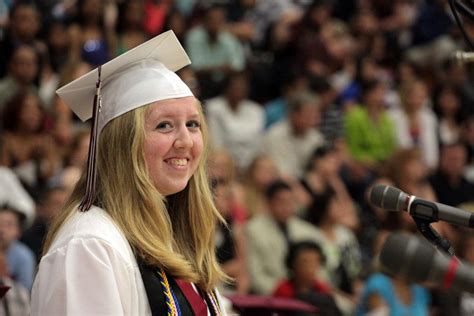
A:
(183, 139)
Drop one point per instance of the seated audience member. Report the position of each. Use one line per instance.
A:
(304, 261)
(53, 201)
(290, 142)
(235, 121)
(417, 125)
(214, 51)
(340, 244)
(370, 134)
(260, 174)
(22, 72)
(449, 182)
(447, 104)
(268, 237)
(16, 301)
(323, 174)
(230, 249)
(21, 26)
(276, 109)
(21, 261)
(75, 159)
(391, 295)
(221, 167)
(370, 138)
(27, 147)
(332, 116)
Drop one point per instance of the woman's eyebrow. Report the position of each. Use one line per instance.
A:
(162, 116)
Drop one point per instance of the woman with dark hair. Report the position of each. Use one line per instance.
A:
(447, 104)
(322, 176)
(26, 147)
(340, 244)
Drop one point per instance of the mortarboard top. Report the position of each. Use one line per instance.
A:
(143, 75)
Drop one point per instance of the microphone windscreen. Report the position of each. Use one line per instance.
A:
(393, 252)
(386, 197)
(408, 257)
(376, 195)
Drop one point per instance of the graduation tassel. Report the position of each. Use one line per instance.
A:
(91, 176)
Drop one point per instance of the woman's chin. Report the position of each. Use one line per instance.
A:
(170, 190)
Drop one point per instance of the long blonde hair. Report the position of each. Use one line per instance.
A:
(175, 233)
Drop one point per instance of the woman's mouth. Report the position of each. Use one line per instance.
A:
(177, 162)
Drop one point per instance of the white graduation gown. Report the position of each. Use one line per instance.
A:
(90, 269)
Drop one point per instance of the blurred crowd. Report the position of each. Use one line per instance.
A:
(309, 103)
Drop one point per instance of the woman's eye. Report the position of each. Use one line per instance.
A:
(164, 125)
(193, 124)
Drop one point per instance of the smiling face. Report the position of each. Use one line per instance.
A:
(173, 143)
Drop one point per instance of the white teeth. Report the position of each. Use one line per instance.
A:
(178, 162)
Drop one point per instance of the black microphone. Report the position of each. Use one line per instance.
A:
(393, 199)
(415, 260)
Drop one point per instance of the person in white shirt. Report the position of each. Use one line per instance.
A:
(235, 122)
(291, 142)
(136, 237)
(416, 122)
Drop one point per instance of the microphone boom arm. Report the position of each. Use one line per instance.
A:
(425, 228)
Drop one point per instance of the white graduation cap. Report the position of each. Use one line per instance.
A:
(138, 77)
(143, 75)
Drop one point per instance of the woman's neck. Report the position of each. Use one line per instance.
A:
(374, 112)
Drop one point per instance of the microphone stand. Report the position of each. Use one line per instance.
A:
(424, 226)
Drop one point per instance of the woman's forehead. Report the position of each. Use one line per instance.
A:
(174, 107)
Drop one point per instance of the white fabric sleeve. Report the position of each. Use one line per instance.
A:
(84, 277)
(13, 193)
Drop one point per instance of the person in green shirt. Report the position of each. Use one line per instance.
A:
(370, 134)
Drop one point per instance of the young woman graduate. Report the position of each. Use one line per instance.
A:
(137, 234)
